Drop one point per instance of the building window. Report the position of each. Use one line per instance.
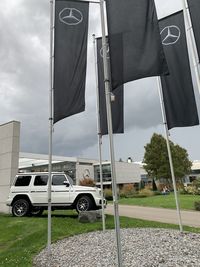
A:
(106, 173)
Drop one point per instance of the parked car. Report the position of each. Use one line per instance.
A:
(29, 194)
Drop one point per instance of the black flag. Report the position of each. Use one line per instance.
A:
(117, 106)
(194, 7)
(70, 46)
(135, 46)
(179, 99)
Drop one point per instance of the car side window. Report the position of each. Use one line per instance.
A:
(41, 180)
(58, 179)
(23, 180)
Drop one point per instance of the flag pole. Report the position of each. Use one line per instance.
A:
(99, 134)
(110, 132)
(194, 55)
(50, 126)
(169, 151)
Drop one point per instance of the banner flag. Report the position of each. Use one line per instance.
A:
(178, 93)
(70, 57)
(117, 106)
(134, 40)
(194, 8)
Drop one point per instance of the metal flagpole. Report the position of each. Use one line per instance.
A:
(50, 125)
(189, 28)
(110, 132)
(169, 151)
(99, 135)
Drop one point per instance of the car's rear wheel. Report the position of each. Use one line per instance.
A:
(84, 203)
(20, 208)
(36, 211)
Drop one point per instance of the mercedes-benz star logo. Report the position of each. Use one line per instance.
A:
(70, 16)
(170, 35)
(86, 173)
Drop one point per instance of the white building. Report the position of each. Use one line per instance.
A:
(78, 168)
(126, 173)
(195, 172)
(9, 157)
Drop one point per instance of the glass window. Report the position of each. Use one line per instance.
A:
(58, 179)
(106, 173)
(23, 180)
(41, 180)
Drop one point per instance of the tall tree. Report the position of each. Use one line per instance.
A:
(157, 161)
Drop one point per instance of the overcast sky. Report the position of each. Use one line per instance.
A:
(24, 85)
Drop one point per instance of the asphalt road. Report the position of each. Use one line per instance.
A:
(190, 218)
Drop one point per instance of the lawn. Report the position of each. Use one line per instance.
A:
(22, 238)
(163, 201)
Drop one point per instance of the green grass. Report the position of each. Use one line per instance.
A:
(163, 201)
(22, 238)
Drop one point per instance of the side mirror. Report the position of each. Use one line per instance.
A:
(66, 183)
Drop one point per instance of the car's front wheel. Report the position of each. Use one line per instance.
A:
(84, 203)
(20, 208)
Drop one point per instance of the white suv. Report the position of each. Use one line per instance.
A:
(29, 194)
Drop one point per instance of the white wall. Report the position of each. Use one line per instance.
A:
(9, 158)
(81, 170)
(127, 173)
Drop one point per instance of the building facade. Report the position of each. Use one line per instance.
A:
(126, 173)
(9, 157)
(76, 168)
(79, 168)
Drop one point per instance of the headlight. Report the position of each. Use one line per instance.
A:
(99, 191)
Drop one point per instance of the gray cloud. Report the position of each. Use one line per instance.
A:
(24, 86)
(142, 108)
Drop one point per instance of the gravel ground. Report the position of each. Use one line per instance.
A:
(140, 248)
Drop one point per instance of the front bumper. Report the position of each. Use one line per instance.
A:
(99, 201)
(8, 202)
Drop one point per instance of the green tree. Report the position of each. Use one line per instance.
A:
(157, 162)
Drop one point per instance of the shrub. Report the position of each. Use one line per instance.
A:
(196, 184)
(139, 196)
(157, 193)
(127, 191)
(146, 192)
(87, 182)
(197, 205)
(122, 194)
(192, 190)
(182, 191)
(108, 194)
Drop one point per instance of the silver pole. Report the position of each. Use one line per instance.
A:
(110, 132)
(50, 126)
(169, 151)
(99, 134)
(194, 54)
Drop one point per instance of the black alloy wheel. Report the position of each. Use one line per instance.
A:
(84, 203)
(20, 208)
